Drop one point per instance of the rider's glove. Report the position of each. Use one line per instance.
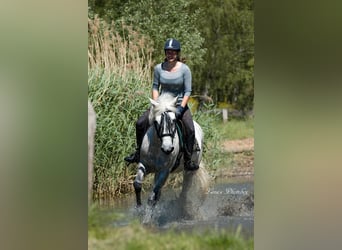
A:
(179, 112)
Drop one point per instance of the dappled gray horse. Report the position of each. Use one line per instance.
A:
(161, 149)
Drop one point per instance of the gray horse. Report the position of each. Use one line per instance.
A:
(161, 154)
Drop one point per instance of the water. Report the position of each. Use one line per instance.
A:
(229, 205)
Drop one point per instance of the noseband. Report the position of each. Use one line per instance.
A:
(167, 127)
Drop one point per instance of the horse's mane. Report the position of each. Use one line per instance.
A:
(166, 102)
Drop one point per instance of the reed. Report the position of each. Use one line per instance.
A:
(119, 80)
(119, 48)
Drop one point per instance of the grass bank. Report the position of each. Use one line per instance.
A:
(236, 129)
(103, 235)
(138, 237)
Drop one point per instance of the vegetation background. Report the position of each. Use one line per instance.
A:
(125, 41)
(217, 39)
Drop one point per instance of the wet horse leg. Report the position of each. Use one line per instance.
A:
(137, 184)
(159, 181)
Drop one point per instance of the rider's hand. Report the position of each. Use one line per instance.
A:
(179, 112)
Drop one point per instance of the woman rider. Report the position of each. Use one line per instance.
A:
(172, 76)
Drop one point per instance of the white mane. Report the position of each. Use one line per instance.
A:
(165, 102)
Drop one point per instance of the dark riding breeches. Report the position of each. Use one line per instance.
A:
(141, 127)
(189, 130)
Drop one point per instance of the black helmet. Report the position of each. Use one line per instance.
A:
(172, 44)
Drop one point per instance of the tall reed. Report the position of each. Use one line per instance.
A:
(118, 48)
(119, 82)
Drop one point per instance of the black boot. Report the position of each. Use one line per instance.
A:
(134, 157)
(188, 163)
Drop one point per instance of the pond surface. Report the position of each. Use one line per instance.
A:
(229, 205)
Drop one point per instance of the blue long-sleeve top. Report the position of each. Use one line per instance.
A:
(177, 83)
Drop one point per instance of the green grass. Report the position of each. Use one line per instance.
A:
(236, 129)
(118, 102)
(216, 131)
(140, 238)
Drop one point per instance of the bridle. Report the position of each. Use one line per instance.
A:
(167, 126)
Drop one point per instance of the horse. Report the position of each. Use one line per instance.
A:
(161, 154)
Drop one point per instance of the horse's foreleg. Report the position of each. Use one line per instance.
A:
(159, 182)
(137, 184)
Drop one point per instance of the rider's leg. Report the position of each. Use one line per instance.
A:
(140, 129)
(189, 140)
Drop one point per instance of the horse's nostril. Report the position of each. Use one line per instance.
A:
(168, 151)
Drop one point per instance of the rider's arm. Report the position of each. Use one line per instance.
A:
(185, 101)
(156, 82)
(155, 94)
(187, 86)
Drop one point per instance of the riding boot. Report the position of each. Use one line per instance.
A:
(134, 157)
(188, 163)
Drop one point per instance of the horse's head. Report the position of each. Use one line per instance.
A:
(162, 115)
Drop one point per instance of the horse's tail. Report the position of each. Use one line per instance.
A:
(194, 191)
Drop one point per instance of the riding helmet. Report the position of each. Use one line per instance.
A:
(172, 44)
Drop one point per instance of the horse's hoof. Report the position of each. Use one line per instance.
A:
(139, 209)
(151, 202)
(190, 166)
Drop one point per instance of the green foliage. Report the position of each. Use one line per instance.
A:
(236, 129)
(207, 118)
(118, 103)
(107, 9)
(217, 39)
(228, 29)
(99, 220)
(165, 19)
(119, 85)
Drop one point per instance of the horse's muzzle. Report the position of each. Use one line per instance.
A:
(168, 151)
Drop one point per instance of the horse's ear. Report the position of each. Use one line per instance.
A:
(153, 102)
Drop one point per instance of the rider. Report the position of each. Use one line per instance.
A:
(172, 76)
